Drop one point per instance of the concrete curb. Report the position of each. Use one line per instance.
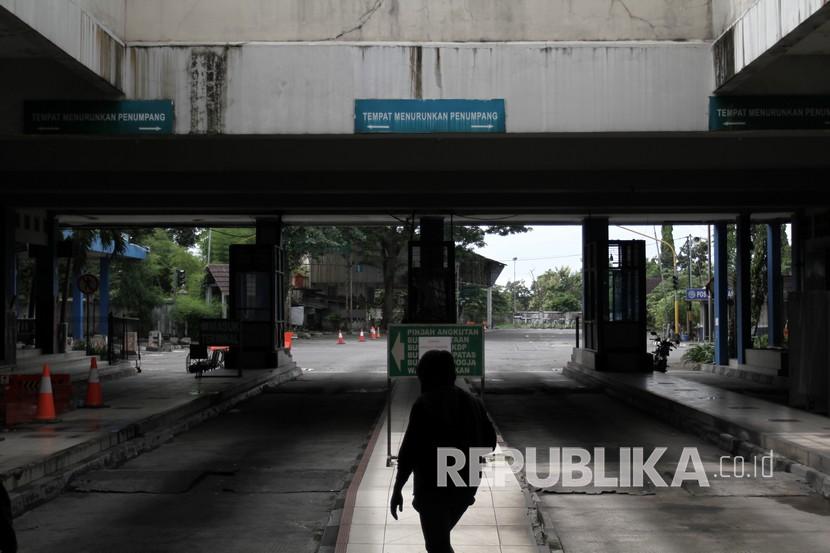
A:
(725, 434)
(336, 534)
(36, 483)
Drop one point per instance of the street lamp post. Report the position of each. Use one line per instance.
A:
(514, 290)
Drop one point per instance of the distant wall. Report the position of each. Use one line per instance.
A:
(417, 20)
(311, 88)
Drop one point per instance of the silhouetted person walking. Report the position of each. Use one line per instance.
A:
(443, 416)
(8, 540)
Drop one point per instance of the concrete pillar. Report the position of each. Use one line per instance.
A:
(47, 289)
(775, 292)
(432, 280)
(269, 232)
(104, 295)
(743, 292)
(594, 284)
(78, 322)
(8, 287)
(721, 325)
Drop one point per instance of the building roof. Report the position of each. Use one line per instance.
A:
(219, 274)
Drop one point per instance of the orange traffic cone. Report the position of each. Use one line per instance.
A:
(362, 337)
(94, 394)
(340, 340)
(45, 398)
(372, 333)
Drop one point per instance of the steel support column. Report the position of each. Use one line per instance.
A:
(595, 285)
(775, 293)
(721, 323)
(743, 291)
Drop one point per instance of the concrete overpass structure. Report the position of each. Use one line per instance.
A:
(607, 114)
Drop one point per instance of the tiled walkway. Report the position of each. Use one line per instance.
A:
(497, 523)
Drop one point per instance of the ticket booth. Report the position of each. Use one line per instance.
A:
(256, 302)
(625, 321)
(614, 302)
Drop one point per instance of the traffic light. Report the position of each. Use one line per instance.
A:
(675, 282)
(180, 278)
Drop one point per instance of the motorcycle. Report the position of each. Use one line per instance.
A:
(660, 355)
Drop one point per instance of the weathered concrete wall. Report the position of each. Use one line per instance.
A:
(279, 88)
(726, 12)
(760, 28)
(417, 20)
(86, 30)
(112, 14)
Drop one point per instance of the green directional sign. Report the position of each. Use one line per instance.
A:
(406, 344)
(98, 117)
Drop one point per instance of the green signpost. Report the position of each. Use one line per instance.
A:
(406, 344)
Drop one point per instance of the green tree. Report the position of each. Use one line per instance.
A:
(165, 257)
(134, 290)
(188, 310)
(521, 293)
(557, 290)
(218, 241)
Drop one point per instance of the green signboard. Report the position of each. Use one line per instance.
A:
(747, 113)
(406, 344)
(98, 117)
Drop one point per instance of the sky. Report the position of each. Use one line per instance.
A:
(549, 247)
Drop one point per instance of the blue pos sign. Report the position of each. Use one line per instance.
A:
(429, 116)
(696, 294)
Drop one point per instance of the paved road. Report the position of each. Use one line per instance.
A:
(265, 476)
(261, 478)
(541, 408)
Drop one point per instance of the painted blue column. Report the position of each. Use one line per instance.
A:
(77, 308)
(775, 293)
(721, 323)
(743, 292)
(104, 296)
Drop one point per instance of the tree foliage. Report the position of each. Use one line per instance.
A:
(557, 290)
